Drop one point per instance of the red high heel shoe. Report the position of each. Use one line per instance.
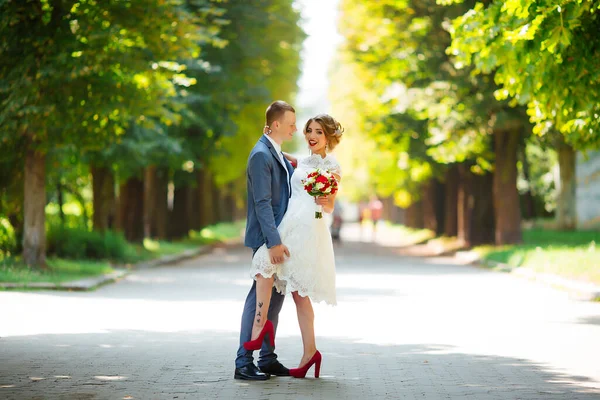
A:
(301, 372)
(256, 344)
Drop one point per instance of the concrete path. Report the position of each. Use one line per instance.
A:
(404, 328)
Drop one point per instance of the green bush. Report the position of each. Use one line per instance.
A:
(80, 243)
(8, 241)
(71, 220)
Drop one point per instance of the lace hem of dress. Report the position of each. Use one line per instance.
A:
(304, 293)
(284, 287)
(291, 285)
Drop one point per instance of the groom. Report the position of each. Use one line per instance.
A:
(268, 182)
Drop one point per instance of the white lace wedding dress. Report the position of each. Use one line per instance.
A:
(310, 269)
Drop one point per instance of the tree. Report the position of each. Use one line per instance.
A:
(78, 73)
(429, 115)
(529, 45)
(544, 56)
(254, 64)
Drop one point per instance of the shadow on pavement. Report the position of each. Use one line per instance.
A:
(591, 320)
(133, 364)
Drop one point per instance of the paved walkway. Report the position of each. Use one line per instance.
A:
(404, 328)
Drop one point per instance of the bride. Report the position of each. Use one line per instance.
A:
(309, 271)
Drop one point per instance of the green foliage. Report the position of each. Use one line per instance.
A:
(219, 232)
(170, 83)
(12, 162)
(419, 112)
(544, 55)
(8, 242)
(81, 243)
(157, 248)
(260, 63)
(543, 164)
(166, 142)
(236, 75)
(79, 72)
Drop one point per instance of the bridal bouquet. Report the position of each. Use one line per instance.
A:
(320, 183)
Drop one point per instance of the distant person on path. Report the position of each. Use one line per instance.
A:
(308, 272)
(376, 211)
(362, 215)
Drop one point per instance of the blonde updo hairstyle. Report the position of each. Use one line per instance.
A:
(333, 130)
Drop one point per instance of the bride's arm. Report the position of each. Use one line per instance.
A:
(328, 202)
(293, 160)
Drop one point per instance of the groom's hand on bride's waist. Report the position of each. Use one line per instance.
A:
(276, 253)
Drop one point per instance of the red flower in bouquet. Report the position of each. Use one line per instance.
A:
(320, 183)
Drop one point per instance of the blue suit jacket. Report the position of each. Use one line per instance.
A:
(268, 194)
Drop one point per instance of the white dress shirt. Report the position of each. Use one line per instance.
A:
(277, 147)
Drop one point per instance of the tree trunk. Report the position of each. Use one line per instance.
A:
(192, 212)
(482, 222)
(391, 212)
(150, 200)
(204, 197)
(218, 208)
(131, 209)
(414, 215)
(429, 190)
(104, 198)
(451, 202)
(162, 206)
(386, 213)
(178, 226)
(465, 205)
(506, 196)
(240, 209)
(34, 233)
(529, 201)
(475, 212)
(440, 195)
(228, 202)
(566, 210)
(59, 196)
(239, 191)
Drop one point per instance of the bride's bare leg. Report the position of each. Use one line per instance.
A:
(264, 287)
(306, 320)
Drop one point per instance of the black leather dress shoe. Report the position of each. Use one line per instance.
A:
(250, 372)
(275, 368)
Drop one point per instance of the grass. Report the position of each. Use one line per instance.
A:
(219, 232)
(58, 270)
(570, 254)
(61, 270)
(408, 235)
(157, 248)
(211, 234)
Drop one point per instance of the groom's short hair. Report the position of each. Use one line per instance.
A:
(276, 110)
